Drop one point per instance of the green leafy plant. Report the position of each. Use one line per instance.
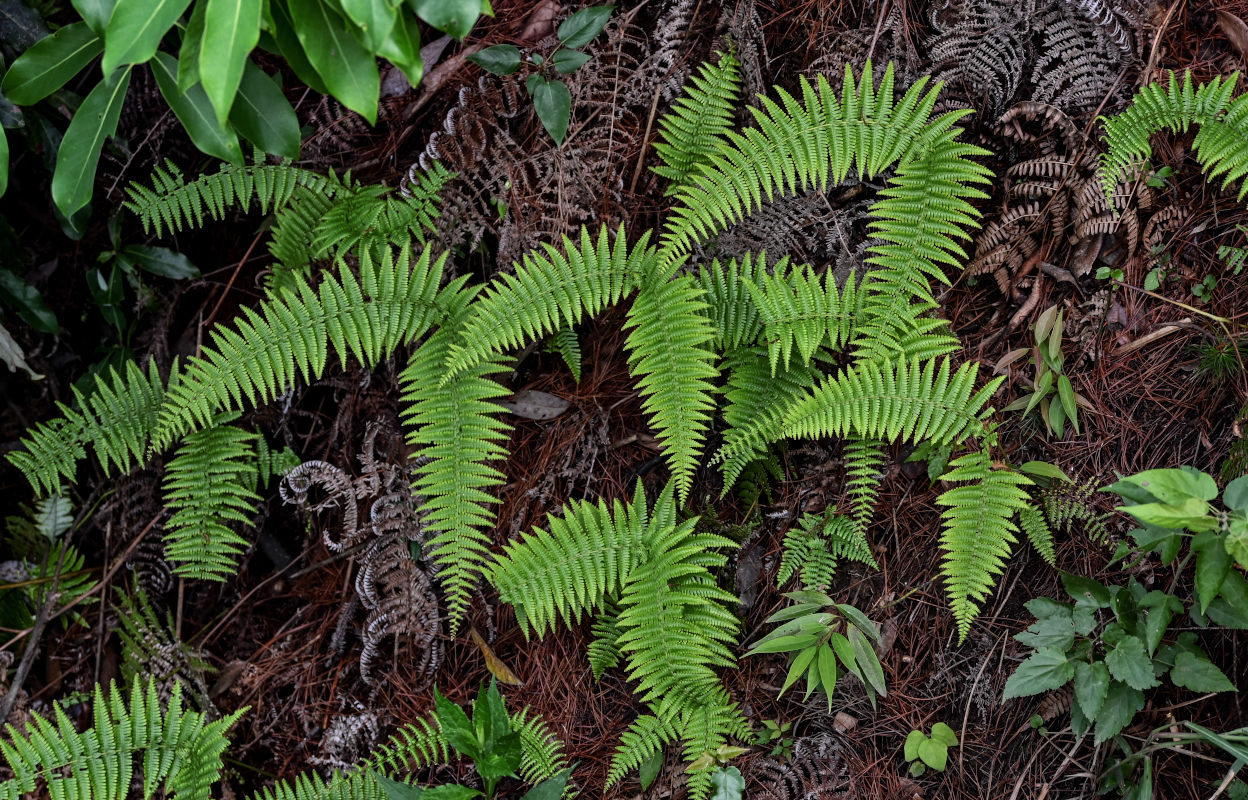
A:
(924, 752)
(1131, 773)
(1050, 382)
(776, 734)
(212, 84)
(820, 635)
(1203, 289)
(1234, 257)
(551, 99)
(1111, 658)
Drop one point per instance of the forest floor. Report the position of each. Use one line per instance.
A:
(284, 640)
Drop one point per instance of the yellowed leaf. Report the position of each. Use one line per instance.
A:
(501, 672)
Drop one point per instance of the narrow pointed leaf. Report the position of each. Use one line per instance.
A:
(348, 70)
(79, 154)
(263, 114)
(192, 41)
(136, 28)
(231, 31)
(195, 112)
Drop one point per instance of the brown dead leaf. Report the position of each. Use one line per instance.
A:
(493, 663)
(1235, 30)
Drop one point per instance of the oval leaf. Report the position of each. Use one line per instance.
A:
(50, 62)
(161, 261)
(348, 70)
(501, 59)
(579, 29)
(455, 17)
(195, 112)
(136, 28)
(553, 103)
(79, 154)
(231, 31)
(566, 61)
(1199, 675)
(263, 115)
(373, 20)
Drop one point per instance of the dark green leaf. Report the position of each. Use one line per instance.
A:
(845, 652)
(27, 302)
(344, 65)
(455, 726)
(580, 29)
(455, 17)
(263, 114)
(501, 59)
(161, 261)
(783, 644)
(1044, 607)
(861, 621)
(1081, 588)
(1129, 663)
(489, 716)
(278, 18)
(798, 668)
(649, 769)
(1055, 631)
(872, 672)
(565, 61)
(449, 791)
(1091, 686)
(1213, 564)
(1236, 541)
(79, 154)
(395, 790)
(95, 12)
(1043, 469)
(1066, 393)
(727, 784)
(1230, 610)
(4, 162)
(194, 111)
(231, 30)
(1045, 670)
(1121, 704)
(1235, 496)
(49, 63)
(827, 672)
(373, 18)
(552, 788)
(402, 47)
(192, 41)
(501, 759)
(1199, 674)
(135, 29)
(553, 103)
(108, 292)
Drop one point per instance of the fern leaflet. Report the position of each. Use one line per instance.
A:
(698, 121)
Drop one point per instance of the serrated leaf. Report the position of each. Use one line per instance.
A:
(1129, 663)
(580, 29)
(455, 726)
(195, 112)
(264, 116)
(1121, 705)
(1213, 564)
(553, 103)
(1081, 588)
(48, 64)
(135, 29)
(1198, 674)
(231, 31)
(1091, 687)
(346, 68)
(501, 59)
(1043, 671)
(79, 153)
(1235, 495)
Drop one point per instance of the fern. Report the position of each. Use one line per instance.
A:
(1033, 523)
(646, 736)
(1221, 144)
(567, 345)
(150, 648)
(179, 751)
(604, 649)
(705, 728)
(208, 484)
(541, 752)
(731, 303)
(817, 544)
(698, 121)
(978, 530)
(864, 458)
(800, 311)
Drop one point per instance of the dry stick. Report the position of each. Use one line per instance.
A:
(233, 277)
(41, 619)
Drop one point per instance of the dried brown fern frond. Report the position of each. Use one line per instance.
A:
(1080, 63)
(817, 771)
(981, 49)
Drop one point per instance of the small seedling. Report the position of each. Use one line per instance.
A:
(1050, 381)
(776, 734)
(1204, 290)
(930, 751)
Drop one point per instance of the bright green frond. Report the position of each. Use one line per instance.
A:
(604, 648)
(706, 727)
(645, 737)
(979, 530)
(541, 752)
(800, 311)
(902, 402)
(817, 544)
(208, 485)
(668, 351)
(567, 345)
(902, 331)
(548, 291)
(1033, 523)
(698, 121)
(390, 303)
(730, 303)
(864, 463)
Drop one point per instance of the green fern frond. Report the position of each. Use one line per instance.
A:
(567, 345)
(604, 649)
(698, 121)
(372, 217)
(116, 420)
(979, 530)
(272, 463)
(173, 204)
(668, 351)
(816, 546)
(646, 736)
(548, 292)
(391, 303)
(291, 235)
(704, 728)
(756, 401)
(571, 568)
(731, 305)
(1033, 523)
(150, 648)
(1220, 144)
(208, 484)
(903, 333)
(178, 751)
(902, 402)
(798, 310)
(457, 431)
(864, 462)
(541, 752)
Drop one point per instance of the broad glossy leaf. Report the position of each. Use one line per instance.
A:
(1091, 687)
(195, 112)
(231, 30)
(136, 28)
(27, 302)
(1121, 704)
(580, 29)
(1190, 671)
(283, 30)
(348, 70)
(108, 292)
(161, 261)
(501, 59)
(79, 154)
(192, 40)
(1129, 663)
(1191, 513)
(565, 61)
(1043, 671)
(489, 716)
(552, 788)
(1081, 588)
(553, 103)
(402, 47)
(95, 12)
(49, 63)
(263, 114)
(455, 17)
(373, 20)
